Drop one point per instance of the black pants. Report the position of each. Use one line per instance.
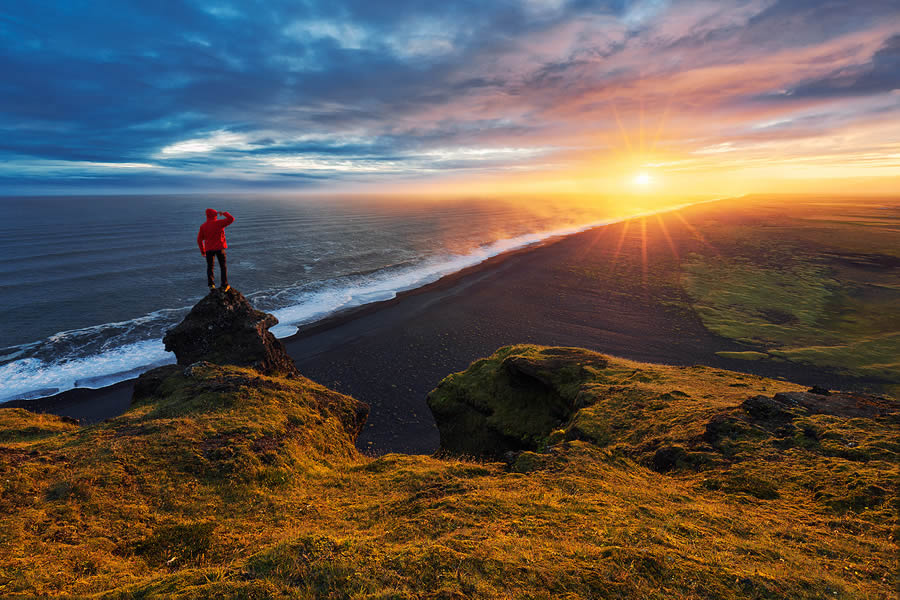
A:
(223, 267)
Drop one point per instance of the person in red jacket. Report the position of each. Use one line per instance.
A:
(211, 239)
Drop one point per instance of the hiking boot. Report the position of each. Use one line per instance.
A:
(212, 288)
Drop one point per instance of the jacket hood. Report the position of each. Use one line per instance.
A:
(211, 213)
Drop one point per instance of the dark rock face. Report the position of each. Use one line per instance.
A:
(839, 404)
(785, 406)
(675, 458)
(668, 458)
(762, 417)
(150, 381)
(224, 328)
(525, 372)
(765, 408)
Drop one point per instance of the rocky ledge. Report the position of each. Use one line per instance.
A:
(223, 328)
(221, 336)
(527, 405)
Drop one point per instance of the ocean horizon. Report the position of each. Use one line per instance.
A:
(91, 283)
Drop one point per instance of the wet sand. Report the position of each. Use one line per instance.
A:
(613, 289)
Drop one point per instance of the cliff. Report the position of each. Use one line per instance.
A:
(563, 473)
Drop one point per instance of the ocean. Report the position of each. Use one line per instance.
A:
(89, 285)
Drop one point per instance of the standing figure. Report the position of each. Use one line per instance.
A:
(211, 239)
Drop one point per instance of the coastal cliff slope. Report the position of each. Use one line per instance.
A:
(563, 474)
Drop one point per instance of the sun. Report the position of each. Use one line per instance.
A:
(642, 179)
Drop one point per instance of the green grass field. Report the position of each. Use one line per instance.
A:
(815, 282)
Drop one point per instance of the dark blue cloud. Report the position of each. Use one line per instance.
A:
(803, 22)
(881, 74)
(114, 82)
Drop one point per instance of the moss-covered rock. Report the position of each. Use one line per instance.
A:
(526, 400)
(511, 401)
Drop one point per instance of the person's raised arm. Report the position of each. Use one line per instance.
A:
(200, 241)
(228, 218)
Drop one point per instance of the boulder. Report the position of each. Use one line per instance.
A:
(223, 328)
(764, 408)
(512, 401)
(668, 458)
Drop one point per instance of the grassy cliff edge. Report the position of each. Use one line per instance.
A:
(573, 475)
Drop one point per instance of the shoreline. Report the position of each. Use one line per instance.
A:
(568, 290)
(341, 314)
(109, 397)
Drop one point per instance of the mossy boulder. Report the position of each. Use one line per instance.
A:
(512, 401)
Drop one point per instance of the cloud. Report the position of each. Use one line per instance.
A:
(355, 90)
(880, 74)
(641, 12)
(346, 36)
(208, 143)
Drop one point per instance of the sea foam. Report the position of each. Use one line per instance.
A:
(312, 306)
(34, 378)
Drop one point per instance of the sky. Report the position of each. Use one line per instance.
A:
(692, 97)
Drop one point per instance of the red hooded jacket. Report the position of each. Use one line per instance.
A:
(212, 233)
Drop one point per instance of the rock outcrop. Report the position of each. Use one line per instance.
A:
(223, 328)
(510, 405)
(779, 414)
(224, 331)
(840, 404)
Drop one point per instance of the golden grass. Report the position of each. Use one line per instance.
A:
(228, 484)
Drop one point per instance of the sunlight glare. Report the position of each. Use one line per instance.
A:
(641, 179)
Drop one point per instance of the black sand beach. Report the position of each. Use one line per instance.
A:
(612, 289)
